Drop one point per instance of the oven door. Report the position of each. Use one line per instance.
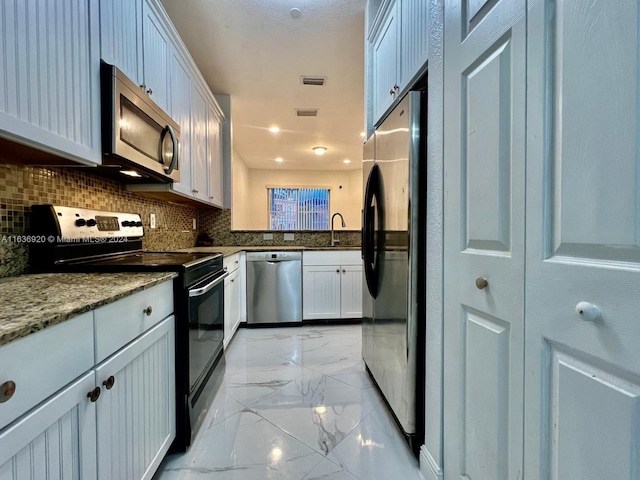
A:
(206, 330)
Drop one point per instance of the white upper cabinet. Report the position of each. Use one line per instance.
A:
(199, 168)
(215, 157)
(414, 38)
(180, 111)
(121, 37)
(49, 76)
(398, 51)
(156, 46)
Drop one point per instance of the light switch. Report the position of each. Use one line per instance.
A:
(152, 220)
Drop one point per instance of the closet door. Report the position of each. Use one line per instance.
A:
(484, 154)
(583, 241)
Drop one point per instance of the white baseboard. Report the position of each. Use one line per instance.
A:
(428, 466)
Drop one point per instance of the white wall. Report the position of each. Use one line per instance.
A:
(250, 206)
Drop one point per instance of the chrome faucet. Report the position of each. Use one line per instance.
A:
(333, 239)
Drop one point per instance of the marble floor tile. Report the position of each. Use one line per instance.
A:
(295, 403)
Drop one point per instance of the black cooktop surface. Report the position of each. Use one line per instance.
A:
(159, 259)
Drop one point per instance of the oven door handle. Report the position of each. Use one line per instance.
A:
(201, 291)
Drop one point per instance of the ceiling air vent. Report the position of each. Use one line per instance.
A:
(307, 112)
(317, 81)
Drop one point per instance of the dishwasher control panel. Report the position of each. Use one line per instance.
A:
(273, 256)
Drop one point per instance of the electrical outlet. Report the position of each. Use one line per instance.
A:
(152, 220)
(194, 224)
(267, 236)
(289, 236)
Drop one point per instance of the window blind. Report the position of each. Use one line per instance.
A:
(298, 208)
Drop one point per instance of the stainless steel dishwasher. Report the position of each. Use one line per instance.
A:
(274, 287)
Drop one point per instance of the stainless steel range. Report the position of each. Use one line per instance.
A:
(77, 239)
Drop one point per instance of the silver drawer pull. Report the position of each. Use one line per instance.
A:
(7, 389)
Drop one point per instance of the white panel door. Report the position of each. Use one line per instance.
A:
(320, 292)
(180, 111)
(199, 168)
(214, 153)
(56, 440)
(414, 38)
(50, 76)
(583, 241)
(385, 64)
(136, 415)
(484, 154)
(351, 291)
(121, 36)
(156, 46)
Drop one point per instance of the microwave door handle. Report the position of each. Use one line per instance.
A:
(174, 160)
(201, 291)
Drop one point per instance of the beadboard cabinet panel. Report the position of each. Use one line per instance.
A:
(180, 111)
(351, 291)
(214, 153)
(56, 440)
(156, 47)
(136, 416)
(121, 36)
(385, 64)
(321, 292)
(414, 38)
(199, 167)
(49, 76)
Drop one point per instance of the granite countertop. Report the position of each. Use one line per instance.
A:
(226, 251)
(29, 303)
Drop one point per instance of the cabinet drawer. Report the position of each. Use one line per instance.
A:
(232, 262)
(44, 362)
(120, 322)
(340, 257)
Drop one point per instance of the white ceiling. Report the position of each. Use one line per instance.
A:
(256, 51)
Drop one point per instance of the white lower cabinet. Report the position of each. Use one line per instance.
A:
(331, 285)
(234, 288)
(136, 408)
(114, 421)
(56, 440)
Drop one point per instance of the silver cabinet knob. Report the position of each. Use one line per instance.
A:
(148, 311)
(391, 92)
(482, 283)
(396, 87)
(587, 311)
(149, 92)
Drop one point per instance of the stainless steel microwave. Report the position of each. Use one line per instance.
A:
(137, 135)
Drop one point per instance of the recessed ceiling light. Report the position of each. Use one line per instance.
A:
(274, 129)
(346, 160)
(319, 150)
(131, 173)
(295, 13)
(362, 134)
(279, 160)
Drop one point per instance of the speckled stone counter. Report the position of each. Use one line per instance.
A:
(29, 303)
(226, 251)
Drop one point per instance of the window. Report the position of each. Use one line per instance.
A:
(298, 208)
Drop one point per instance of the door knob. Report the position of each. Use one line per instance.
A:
(482, 283)
(588, 311)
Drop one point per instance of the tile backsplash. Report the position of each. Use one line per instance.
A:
(217, 224)
(23, 186)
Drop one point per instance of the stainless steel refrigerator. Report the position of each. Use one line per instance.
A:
(393, 251)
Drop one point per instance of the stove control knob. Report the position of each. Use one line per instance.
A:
(126, 223)
(81, 222)
(91, 222)
(138, 224)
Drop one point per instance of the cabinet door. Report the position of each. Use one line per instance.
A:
(180, 111)
(121, 36)
(199, 169)
(385, 64)
(235, 302)
(351, 291)
(582, 383)
(56, 440)
(156, 46)
(215, 159)
(227, 311)
(136, 416)
(49, 76)
(414, 38)
(484, 125)
(320, 292)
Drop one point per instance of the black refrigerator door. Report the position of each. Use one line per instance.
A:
(373, 230)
